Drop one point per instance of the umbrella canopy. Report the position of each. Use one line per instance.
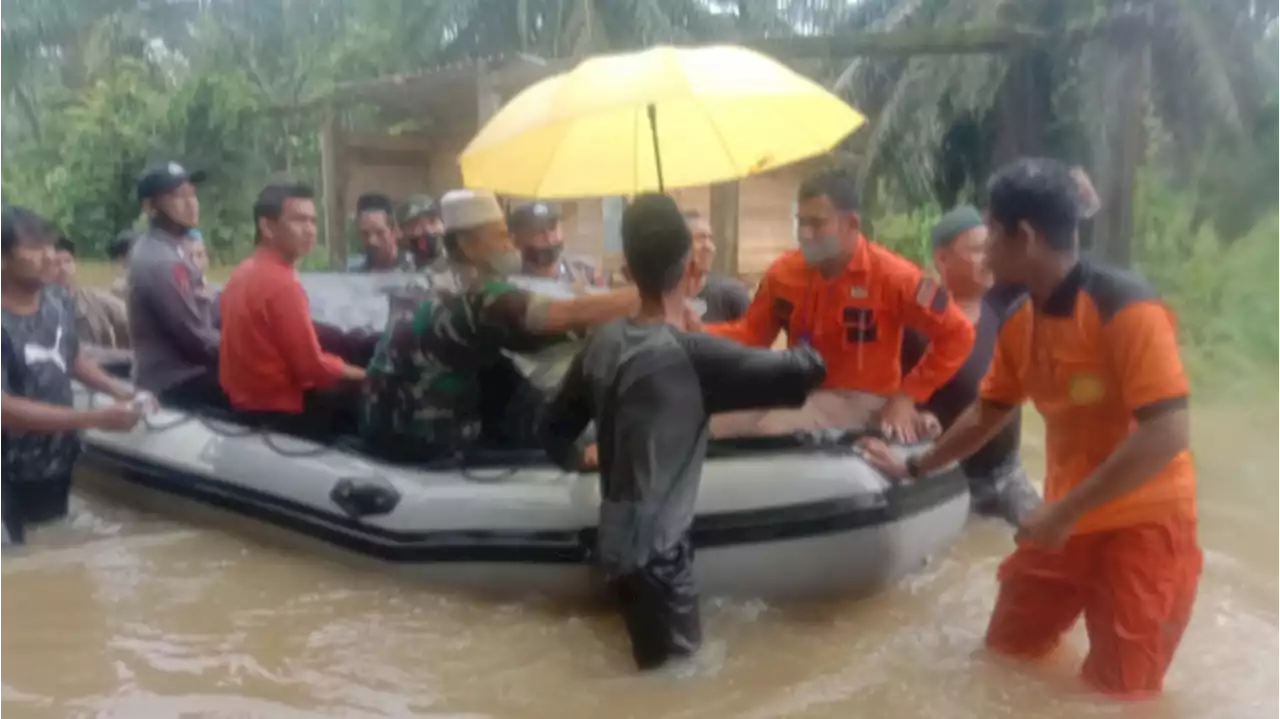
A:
(662, 118)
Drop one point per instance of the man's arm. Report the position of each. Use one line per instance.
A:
(550, 317)
(296, 339)
(169, 288)
(927, 307)
(1153, 386)
(567, 416)
(760, 324)
(1002, 392)
(28, 415)
(735, 378)
(91, 374)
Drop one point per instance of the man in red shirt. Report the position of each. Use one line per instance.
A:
(271, 364)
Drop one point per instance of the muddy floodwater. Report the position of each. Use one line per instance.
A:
(123, 612)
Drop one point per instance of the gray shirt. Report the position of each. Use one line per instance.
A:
(39, 351)
(174, 337)
(651, 390)
(726, 299)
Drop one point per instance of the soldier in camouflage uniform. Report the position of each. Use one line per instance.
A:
(440, 377)
(423, 232)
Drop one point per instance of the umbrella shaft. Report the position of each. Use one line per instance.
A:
(657, 154)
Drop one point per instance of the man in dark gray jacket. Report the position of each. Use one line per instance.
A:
(174, 337)
(650, 386)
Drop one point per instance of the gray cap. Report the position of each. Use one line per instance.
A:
(165, 177)
(417, 206)
(953, 224)
(533, 217)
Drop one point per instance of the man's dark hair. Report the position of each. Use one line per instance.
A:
(120, 245)
(18, 224)
(64, 244)
(1040, 192)
(270, 202)
(376, 202)
(656, 243)
(835, 185)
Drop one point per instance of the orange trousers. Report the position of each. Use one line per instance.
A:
(1135, 587)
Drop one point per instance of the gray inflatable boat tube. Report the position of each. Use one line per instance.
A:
(776, 518)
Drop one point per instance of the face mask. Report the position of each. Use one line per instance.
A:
(507, 263)
(542, 256)
(426, 247)
(820, 250)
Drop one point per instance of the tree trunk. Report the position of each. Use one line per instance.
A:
(1122, 148)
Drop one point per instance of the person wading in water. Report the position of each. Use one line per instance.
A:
(997, 483)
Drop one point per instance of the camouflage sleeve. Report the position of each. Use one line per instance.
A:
(506, 307)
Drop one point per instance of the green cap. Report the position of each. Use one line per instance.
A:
(953, 224)
(417, 206)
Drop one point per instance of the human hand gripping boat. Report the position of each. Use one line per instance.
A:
(779, 518)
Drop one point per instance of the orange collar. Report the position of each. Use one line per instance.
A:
(860, 260)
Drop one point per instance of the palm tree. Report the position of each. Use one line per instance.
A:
(940, 123)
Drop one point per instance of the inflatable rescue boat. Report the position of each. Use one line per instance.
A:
(777, 517)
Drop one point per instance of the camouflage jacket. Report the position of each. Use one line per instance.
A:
(424, 380)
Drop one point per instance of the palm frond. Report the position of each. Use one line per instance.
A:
(1189, 61)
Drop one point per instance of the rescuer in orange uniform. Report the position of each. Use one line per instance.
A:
(1096, 350)
(852, 300)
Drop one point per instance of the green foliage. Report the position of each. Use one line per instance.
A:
(1225, 294)
(82, 173)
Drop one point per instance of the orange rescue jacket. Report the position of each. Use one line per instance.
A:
(856, 321)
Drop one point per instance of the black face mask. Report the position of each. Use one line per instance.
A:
(426, 248)
(541, 256)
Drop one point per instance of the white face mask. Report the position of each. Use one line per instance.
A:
(820, 250)
(507, 263)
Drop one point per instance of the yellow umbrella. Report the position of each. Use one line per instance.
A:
(666, 117)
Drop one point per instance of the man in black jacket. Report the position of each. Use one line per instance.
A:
(651, 387)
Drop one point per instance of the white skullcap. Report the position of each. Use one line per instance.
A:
(466, 209)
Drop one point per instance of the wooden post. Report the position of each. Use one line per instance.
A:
(335, 214)
(724, 226)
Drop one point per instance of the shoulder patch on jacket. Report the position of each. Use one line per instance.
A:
(932, 296)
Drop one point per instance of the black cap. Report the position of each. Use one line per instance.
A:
(165, 177)
(533, 217)
(417, 206)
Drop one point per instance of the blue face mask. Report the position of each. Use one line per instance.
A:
(820, 250)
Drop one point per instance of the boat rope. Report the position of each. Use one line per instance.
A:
(240, 431)
(455, 458)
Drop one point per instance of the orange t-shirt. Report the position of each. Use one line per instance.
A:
(856, 321)
(269, 354)
(1098, 356)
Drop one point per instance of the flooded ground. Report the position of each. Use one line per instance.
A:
(122, 613)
